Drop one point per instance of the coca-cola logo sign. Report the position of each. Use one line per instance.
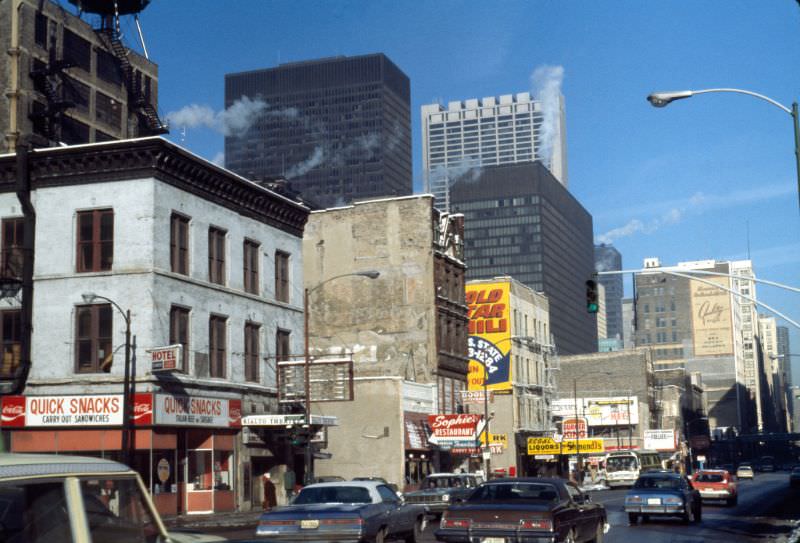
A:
(13, 412)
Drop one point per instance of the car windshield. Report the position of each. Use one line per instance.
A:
(658, 482)
(621, 463)
(442, 482)
(332, 494)
(710, 478)
(515, 492)
(745, 468)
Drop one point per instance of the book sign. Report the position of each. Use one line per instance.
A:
(166, 358)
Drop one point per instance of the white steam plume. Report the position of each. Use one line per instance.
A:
(234, 121)
(316, 158)
(546, 81)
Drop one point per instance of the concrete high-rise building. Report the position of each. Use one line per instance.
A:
(607, 258)
(628, 339)
(775, 413)
(459, 140)
(784, 351)
(68, 82)
(338, 128)
(700, 324)
(520, 221)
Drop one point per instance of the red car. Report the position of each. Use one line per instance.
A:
(716, 484)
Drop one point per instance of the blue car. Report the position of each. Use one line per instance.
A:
(354, 511)
(663, 493)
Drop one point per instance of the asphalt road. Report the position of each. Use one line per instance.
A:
(767, 511)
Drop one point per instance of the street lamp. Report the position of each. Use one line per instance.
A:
(371, 274)
(662, 99)
(129, 381)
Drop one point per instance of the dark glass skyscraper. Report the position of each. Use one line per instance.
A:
(338, 128)
(520, 221)
(607, 258)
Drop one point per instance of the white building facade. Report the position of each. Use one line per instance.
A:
(460, 139)
(141, 235)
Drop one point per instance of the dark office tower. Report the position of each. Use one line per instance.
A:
(339, 129)
(520, 221)
(607, 258)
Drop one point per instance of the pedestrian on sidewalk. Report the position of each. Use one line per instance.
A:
(270, 497)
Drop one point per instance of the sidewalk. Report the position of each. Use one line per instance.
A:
(248, 519)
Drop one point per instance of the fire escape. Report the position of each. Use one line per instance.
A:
(150, 123)
(48, 79)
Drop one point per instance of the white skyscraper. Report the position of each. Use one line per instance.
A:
(459, 140)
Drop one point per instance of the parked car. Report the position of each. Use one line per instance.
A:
(745, 471)
(378, 480)
(663, 493)
(794, 477)
(438, 490)
(716, 484)
(47, 497)
(344, 511)
(524, 509)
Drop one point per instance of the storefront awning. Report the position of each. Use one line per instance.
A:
(288, 420)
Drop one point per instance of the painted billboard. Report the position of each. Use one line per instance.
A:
(611, 411)
(489, 336)
(711, 317)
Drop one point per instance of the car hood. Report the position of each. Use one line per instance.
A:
(193, 537)
(637, 491)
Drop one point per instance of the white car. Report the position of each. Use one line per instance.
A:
(745, 472)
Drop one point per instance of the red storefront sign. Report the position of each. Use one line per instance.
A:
(454, 426)
(568, 428)
(106, 410)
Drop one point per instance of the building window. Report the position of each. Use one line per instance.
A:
(107, 110)
(11, 328)
(282, 348)
(251, 250)
(282, 276)
(40, 29)
(216, 255)
(179, 332)
(12, 254)
(251, 351)
(77, 51)
(179, 244)
(216, 346)
(93, 350)
(95, 240)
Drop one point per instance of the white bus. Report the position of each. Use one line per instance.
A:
(623, 467)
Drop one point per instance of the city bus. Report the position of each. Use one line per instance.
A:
(623, 467)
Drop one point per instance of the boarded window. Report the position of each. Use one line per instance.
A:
(74, 132)
(251, 251)
(108, 68)
(282, 276)
(77, 51)
(179, 244)
(216, 341)
(216, 255)
(107, 110)
(251, 351)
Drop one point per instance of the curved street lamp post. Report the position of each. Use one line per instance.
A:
(662, 99)
(307, 471)
(129, 380)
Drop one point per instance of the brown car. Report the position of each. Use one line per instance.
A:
(517, 509)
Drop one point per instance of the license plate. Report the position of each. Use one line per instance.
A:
(653, 501)
(493, 540)
(309, 524)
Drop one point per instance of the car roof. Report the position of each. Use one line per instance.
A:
(506, 480)
(663, 474)
(359, 484)
(16, 465)
(445, 474)
(712, 470)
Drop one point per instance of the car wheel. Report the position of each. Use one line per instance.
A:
(698, 514)
(416, 535)
(380, 537)
(598, 533)
(633, 518)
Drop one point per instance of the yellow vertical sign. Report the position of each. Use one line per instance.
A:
(489, 336)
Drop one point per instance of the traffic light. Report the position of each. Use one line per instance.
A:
(591, 296)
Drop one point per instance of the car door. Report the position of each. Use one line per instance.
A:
(395, 519)
(584, 512)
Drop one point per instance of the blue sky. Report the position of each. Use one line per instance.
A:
(687, 182)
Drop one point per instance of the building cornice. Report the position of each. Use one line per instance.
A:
(157, 158)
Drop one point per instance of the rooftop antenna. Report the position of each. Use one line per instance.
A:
(747, 223)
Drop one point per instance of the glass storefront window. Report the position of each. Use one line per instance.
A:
(200, 466)
(223, 474)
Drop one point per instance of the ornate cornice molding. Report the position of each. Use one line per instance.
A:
(156, 158)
